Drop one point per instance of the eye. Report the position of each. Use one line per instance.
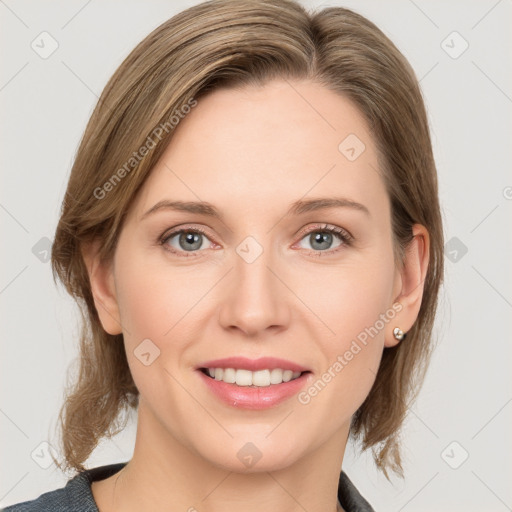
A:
(186, 240)
(320, 239)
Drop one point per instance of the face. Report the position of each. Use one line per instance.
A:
(265, 277)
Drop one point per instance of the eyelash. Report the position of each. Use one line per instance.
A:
(343, 235)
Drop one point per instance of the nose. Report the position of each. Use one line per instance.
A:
(255, 300)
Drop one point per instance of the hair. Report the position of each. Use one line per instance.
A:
(237, 43)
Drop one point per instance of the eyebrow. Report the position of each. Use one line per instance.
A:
(297, 208)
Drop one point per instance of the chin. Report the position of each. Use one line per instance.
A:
(253, 454)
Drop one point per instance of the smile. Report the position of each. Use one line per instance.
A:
(254, 396)
(260, 378)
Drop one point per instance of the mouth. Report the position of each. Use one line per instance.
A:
(249, 379)
(242, 393)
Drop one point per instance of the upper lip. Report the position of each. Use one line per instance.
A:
(253, 364)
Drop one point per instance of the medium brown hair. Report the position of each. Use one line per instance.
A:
(226, 43)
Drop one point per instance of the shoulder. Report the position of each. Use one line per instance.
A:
(57, 500)
(350, 498)
(75, 496)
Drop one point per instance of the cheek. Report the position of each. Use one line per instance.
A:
(356, 306)
(351, 297)
(365, 298)
(152, 299)
(155, 304)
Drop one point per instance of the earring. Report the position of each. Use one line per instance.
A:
(399, 334)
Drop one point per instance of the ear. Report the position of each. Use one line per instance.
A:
(101, 277)
(409, 283)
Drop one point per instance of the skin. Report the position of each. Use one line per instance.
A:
(251, 153)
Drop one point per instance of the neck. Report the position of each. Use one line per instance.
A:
(164, 474)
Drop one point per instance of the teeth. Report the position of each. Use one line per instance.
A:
(261, 378)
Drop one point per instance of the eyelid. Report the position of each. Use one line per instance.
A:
(185, 227)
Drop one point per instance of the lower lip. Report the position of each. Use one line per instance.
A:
(247, 397)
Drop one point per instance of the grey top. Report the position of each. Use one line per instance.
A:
(76, 495)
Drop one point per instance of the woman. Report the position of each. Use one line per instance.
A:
(252, 228)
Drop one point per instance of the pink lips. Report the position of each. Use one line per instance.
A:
(253, 365)
(254, 397)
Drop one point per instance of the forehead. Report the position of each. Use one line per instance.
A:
(260, 146)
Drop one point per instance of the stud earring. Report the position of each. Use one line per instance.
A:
(399, 334)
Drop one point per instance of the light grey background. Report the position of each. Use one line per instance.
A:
(45, 104)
